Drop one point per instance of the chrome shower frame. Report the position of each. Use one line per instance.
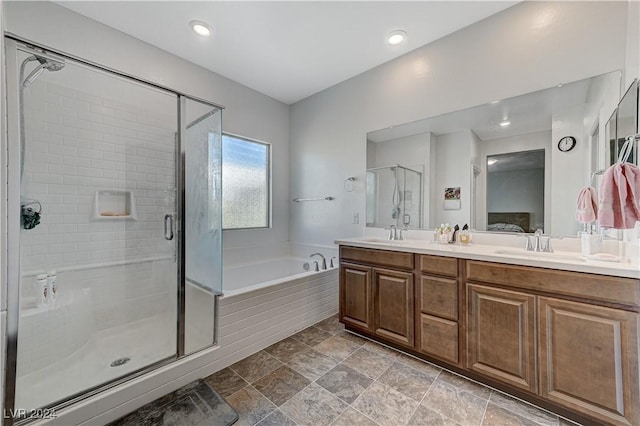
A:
(11, 208)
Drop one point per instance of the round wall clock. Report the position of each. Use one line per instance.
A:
(567, 143)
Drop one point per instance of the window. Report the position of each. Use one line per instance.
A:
(245, 183)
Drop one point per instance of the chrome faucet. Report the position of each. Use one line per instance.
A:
(400, 236)
(534, 243)
(324, 261)
(392, 232)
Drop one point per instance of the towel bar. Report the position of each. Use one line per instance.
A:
(297, 200)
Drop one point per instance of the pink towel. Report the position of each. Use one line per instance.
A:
(587, 207)
(620, 196)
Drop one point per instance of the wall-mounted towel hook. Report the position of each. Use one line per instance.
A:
(349, 184)
(594, 174)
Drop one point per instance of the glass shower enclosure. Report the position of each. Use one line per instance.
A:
(394, 197)
(114, 228)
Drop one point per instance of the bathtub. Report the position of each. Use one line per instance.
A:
(253, 276)
(267, 300)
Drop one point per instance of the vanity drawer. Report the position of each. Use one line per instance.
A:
(591, 287)
(393, 259)
(439, 338)
(439, 296)
(439, 265)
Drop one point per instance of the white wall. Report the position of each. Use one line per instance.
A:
(531, 46)
(570, 168)
(632, 65)
(453, 169)
(248, 113)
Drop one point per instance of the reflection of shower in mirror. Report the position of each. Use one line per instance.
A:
(395, 197)
(398, 187)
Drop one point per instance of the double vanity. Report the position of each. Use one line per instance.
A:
(552, 328)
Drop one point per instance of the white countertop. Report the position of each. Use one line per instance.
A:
(560, 259)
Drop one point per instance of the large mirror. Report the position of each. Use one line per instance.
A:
(513, 165)
(624, 123)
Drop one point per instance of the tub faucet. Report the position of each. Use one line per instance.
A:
(331, 264)
(324, 261)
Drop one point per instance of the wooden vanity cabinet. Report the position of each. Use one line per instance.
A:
(501, 340)
(356, 298)
(377, 293)
(393, 305)
(437, 332)
(581, 330)
(589, 359)
(566, 340)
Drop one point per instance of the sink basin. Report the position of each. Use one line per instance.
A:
(385, 241)
(576, 257)
(377, 240)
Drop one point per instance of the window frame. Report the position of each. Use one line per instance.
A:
(269, 181)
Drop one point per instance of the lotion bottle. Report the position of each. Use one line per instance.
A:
(41, 290)
(52, 288)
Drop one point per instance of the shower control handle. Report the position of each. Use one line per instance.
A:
(168, 227)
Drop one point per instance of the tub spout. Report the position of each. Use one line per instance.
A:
(324, 261)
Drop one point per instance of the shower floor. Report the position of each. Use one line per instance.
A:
(143, 342)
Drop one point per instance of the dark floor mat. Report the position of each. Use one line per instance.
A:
(195, 404)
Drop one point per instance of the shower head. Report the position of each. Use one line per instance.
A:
(51, 64)
(46, 63)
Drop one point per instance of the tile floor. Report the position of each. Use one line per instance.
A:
(324, 375)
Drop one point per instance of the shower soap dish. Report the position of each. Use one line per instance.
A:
(114, 205)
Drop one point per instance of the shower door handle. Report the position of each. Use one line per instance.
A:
(168, 226)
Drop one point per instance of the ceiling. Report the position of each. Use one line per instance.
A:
(532, 112)
(516, 161)
(287, 50)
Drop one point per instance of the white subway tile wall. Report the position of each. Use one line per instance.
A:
(76, 144)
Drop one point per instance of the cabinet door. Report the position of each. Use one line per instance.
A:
(356, 297)
(501, 335)
(438, 337)
(393, 305)
(589, 359)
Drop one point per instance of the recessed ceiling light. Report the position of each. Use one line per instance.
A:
(505, 123)
(200, 28)
(396, 37)
(491, 161)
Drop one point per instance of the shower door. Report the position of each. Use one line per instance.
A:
(96, 291)
(201, 127)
